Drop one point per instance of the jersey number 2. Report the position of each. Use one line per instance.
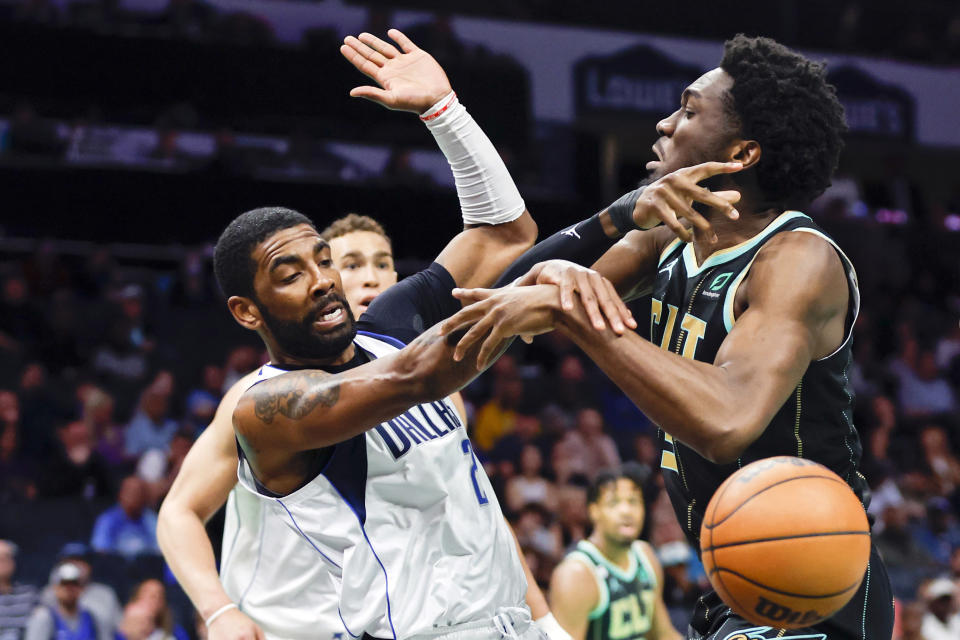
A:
(468, 450)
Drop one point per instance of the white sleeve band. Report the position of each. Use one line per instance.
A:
(486, 190)
(549, 625)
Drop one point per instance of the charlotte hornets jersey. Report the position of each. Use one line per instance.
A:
(692, 312)
(405, 520)
(627, 596)
(294, 598)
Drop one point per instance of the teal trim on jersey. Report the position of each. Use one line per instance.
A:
(724, 255)
(729, 297)
(604, 602)
(668, 250)
(591, 550)
(645, 562)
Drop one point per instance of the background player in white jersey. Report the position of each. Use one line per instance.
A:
(611, 586)
(210, 472)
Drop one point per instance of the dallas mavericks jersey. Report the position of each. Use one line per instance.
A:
(692, 313)
(406, 521)
(627, 596)
(274, 577)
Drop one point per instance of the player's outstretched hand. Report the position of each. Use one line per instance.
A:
(234, 625)
(672, 196)
(499, 314)
(410, 78)
(600, 299)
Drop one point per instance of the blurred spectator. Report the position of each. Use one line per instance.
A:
(201, 407)
(680, 590)
(911, 622)
(497, 417)
(586, 449)
(153, 596)
(940, 459)
(572, 511)
(941, 621)
(41, 409)
(151, 427)
(19, 318)
(66, 618)
(526, 432)
(17, 481)
(137, 623)
(240, 362)
(76, 469)
(128, 528)
(923, 392)
(530, 485)
(17, 600)
(97, 598)
(159, 468)
(535, 528)
(98, 408)
(939, 533)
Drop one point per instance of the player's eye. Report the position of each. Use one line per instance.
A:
(326, 263)
(291, 277)
(383, 265)
(688, 113)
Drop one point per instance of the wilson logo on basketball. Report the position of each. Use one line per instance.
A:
(778, 613)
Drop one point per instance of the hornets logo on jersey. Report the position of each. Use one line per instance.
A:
(763, 633)
(627, 596)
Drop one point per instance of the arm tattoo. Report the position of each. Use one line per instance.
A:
(295, 395)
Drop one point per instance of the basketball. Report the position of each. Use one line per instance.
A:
(785, 542)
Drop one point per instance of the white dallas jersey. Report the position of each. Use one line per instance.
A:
(406, 521)
(274, 577)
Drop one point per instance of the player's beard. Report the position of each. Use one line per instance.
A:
(301, 340)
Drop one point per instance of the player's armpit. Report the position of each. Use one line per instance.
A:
(631, 264)
(573, 595)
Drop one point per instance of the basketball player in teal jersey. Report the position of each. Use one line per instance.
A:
(611, 586)
(751, 317)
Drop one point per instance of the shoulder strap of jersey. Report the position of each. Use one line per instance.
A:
(603, 602)
(641, 553)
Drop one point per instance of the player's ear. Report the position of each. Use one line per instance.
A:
(746, 152)
(245, 312)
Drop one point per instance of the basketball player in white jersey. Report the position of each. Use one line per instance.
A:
(210, 472)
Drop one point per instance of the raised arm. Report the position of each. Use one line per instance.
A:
(206, 477)
(497, 226)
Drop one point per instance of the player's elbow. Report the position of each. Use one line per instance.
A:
(520, 234)
(727, 443)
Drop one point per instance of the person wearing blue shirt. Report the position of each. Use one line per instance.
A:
(67, 620)
(129, 528)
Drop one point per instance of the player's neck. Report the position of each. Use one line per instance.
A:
(617, 554)
(278, 356)
(732, 232)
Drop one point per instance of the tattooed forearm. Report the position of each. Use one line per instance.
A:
(294, 395)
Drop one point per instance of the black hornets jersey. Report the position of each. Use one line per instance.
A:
(627, 596)
(691, 314)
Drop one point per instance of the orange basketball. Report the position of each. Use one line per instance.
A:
(785, 542)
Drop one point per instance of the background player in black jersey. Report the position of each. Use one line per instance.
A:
(611, 586)
(750, 321)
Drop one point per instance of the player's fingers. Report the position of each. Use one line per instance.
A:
(362, 65)
(472, 336)
(568, 288)
(527, 338)
(490, 346)
(375, 94)
(615, 307)
(367, 52)
(683, 209)
(669, 218)
(470, 296)
(713, 199)
(462, 319)
(702, 171)
(385, 49)
(607, 303)
(406, 44)
(589, 299)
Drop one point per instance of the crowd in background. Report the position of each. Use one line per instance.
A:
(110, 370)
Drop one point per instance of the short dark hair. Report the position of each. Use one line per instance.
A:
(783, 101)
(353, 222)
(232, 263)
(629, 470)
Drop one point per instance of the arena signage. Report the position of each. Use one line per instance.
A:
(872, 107)
(638, 80)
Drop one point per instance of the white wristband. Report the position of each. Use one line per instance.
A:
(549, 625)
(486, 190)
(219, 612)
